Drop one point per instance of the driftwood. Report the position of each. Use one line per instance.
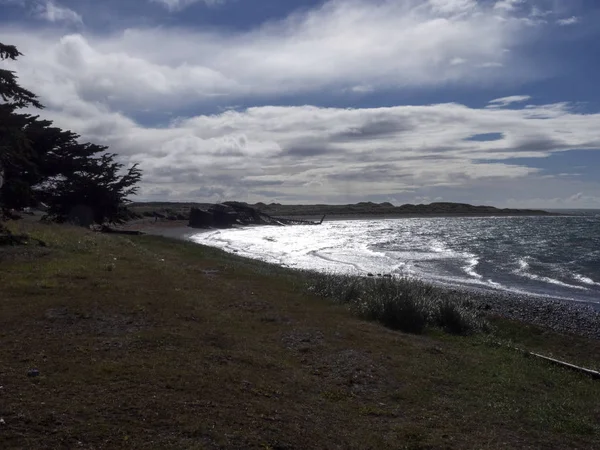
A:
(106, 229)
(298, 221)
(589, 372)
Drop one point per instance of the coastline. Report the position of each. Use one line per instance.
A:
(170, 338)
(560, 315)
(371, 216)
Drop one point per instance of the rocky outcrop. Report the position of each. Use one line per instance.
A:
(223, 216)
(228, 214)
(200, 218)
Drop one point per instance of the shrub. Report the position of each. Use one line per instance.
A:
(399, 312)
(453, 318)
(400, 304)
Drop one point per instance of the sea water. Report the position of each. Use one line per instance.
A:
(551, 256)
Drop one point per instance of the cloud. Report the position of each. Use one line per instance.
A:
(457, 61)
(337, 46)
(568, 21)
(508, 5)
(99, 85)
(361, 89)
(52, 12)
(577, 200)
(453, 6)
(178, 5)
(309, 153)
(491, 65)
(506, 101)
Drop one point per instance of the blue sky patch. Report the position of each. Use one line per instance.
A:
(486, 137)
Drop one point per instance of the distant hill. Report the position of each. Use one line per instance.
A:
(387, 209)
(180, 211)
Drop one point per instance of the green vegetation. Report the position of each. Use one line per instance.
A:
(40, 163)
(146, 342)
(400, 304)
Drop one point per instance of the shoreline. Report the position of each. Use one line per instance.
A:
(561, 315)
(178, 345)
(370, 216)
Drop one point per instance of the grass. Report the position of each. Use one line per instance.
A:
(145, 342)
(400, 304)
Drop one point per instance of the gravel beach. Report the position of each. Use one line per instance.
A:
(562, 316)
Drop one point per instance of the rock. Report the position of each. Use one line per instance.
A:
(200, 218)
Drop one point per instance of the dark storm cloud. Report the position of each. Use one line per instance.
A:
(308, 150)
(538, 144)
(383, 128)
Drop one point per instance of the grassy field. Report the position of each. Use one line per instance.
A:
(145, 342)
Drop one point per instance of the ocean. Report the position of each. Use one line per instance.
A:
(546, 256)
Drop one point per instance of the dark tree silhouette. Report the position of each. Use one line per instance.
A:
(10, 90)
(95, 185)
(43, 163)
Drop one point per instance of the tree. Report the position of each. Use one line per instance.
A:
(10, 90)
(43, 163)
(97, 186)
(15, 151)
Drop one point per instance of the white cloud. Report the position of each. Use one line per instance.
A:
(96, 85)
(53, 12)
(491, 65)
(568, 21)
(328, 154)
(362, 89)
(505, 101)
(577, 200)
(453, 6)
(457, 61)
(178, 5)
(340, 45)
(508, 5)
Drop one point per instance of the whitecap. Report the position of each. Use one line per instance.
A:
(472, 263)
(585, 280)
(523, 271)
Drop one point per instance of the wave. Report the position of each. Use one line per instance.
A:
(316, 254)
(585, 280)
(455, 252)
(523, 265)
(470, 268)
(523, 271)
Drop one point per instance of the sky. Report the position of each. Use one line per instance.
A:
(492, 102)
